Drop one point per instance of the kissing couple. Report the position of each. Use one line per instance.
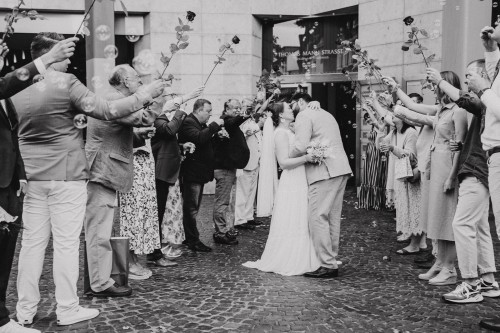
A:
(305, 226)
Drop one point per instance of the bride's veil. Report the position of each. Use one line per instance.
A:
(268, 173)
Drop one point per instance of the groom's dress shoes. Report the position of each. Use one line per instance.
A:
(323, 273)
(114, 291)
(491, 324)
(198, 247)
(254, 223)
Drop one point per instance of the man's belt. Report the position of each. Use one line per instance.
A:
(493, 151)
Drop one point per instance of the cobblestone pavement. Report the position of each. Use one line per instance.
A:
(213, 292)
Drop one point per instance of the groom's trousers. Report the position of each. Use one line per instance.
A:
(325, 208)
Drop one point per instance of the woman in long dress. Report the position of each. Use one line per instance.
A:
(450, 122)
(289, 249)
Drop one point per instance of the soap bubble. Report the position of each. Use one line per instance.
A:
(103, 32)
(457, 7)
(111, 52)
(383, 158)
(347, 136)
(495, 4)
(37, 78)
(434, 34)
(144, 62)
(354, 125)
(349, 122)
(344, 106)
(351, 156)
(22, 74)
(308, 75)
(437, 23)
(97, 82)
(132, 38)
(80, 121)
(88, 104)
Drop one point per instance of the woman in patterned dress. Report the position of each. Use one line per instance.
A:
(139, 212)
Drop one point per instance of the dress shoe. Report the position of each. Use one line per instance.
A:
(13, 327)
(114, 291)
(81, 314)
(445, 277)
(323, 273)
(491, 324)
(199, 247)
(254, 223)
(225, 239)
(232, 233)
(424, 257)
(245, 226)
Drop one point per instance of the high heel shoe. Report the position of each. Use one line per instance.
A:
(431, 273)
(445, 277)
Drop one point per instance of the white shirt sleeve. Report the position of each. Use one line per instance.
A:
(40, 66)
(491, 60)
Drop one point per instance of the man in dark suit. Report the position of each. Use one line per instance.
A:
(12, 174)
(198, 168)
(167, 155)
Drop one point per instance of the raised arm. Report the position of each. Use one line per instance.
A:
(407, 101)
(282, 145)
(94, 106)
(303, 133)
(167, 129)
(411, 116)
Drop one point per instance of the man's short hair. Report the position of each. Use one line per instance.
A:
(43, 42)
(419, 98)
(226, 104)
(305, 96)
(479, 63)
(118, 74)
(199, 104)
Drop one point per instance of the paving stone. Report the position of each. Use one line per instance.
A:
(213, 292)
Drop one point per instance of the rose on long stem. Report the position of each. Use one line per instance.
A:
(421, 51)
(215, 65)
(11, 20)
(85, 17)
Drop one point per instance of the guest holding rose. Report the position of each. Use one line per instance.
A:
(450, 122)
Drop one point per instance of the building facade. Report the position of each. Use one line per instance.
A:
(303, 28)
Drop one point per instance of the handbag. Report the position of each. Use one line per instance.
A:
(119, 269)
(402, 168)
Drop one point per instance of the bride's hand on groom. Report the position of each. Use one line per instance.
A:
(309, 158)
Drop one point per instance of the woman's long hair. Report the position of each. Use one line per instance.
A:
(453, 79)
(276, 109)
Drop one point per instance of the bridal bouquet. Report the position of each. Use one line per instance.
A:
(319, 151)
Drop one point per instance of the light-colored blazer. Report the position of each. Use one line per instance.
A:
(51, 146)
(319, 125)
(254, 143)
(109, 146)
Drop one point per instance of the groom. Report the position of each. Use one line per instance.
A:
(327, 181)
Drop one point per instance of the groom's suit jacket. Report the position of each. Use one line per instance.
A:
(319, 125)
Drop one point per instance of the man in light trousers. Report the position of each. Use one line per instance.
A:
(326, 181)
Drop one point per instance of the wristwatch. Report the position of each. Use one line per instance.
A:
(481, 92)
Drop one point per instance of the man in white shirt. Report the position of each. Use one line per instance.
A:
(490, 136)
(246, 181)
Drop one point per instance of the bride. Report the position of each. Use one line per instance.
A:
(289, 249)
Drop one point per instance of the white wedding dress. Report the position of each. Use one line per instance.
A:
(289, 249)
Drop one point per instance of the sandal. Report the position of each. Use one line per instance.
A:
(405, 252)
